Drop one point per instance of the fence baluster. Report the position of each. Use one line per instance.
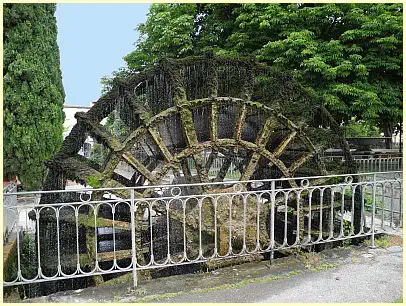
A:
(373, 212)
(133, 242)
(272, 221)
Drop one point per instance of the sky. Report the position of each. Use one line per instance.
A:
(93, 39)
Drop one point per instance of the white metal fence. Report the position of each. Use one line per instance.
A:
(370, 163)
(365, 163)
(10, 220)
(100, 231)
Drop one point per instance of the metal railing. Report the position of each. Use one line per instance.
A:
(370, 163)
(10, 220)
(366, 163)
(88, 232)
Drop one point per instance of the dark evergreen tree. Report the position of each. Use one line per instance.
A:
(33, 91)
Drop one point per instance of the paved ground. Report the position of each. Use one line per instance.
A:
(374, 279)
(351, 274)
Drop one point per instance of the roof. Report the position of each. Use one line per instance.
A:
(76, 106)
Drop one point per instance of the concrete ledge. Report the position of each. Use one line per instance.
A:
(346, 274)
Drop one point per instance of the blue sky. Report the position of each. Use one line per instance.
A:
(93, 39)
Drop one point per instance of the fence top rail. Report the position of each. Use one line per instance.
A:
(368, 156)
(305, 178)
(179, 196)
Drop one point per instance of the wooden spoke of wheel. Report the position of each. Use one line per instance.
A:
(200, 168)
(191, 138)
(212, 80)
(240, 122)
(213, 121)
(77, 163)
(139, 167)
(123, 193)
(160, 143)
(186, 117)
(285, 142)
(98, 131)
(260, 141)
(298, 163)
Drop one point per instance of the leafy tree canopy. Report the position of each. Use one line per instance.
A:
(361, 129)
(350, 54)
(33, 91)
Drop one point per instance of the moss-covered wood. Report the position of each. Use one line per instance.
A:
(240, 122)
(214, 117)
(139, 167)
(292, 114)
(160, 143)
(97, 131)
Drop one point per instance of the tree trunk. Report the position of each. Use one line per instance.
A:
(400, 138)
(388, 132)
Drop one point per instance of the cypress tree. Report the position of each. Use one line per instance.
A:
(33, 91)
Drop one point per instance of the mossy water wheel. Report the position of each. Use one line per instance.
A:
(261, 120)
(180, 116)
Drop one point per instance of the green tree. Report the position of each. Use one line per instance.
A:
(361, 129)
(33, 91)
(350, 54)
(168, 31)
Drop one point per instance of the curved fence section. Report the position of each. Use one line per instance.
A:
(77, 233)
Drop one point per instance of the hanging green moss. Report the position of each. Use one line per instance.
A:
(94, 180)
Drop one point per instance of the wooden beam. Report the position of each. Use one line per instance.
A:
(298, 163)
(99, 132)
(214, 116)
(160, 143)
(139, 167)
(261, 141)
(285, 142)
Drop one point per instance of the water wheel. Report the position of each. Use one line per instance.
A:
(199, 120)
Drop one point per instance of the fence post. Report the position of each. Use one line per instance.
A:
(272, 222)
(373, 213)
(134, 249)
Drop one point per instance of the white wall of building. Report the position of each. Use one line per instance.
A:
(70, 121)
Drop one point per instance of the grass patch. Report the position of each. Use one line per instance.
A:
(385, 241)
(323, 267)
(309, 259)
(382, 242)
(399, 300)
(140, 291)
(12, 296)
(222, 287)
(354, 260)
